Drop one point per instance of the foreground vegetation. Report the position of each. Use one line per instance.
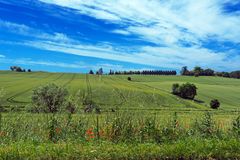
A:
(120, 135)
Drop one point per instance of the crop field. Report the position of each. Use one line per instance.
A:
(143, 92)
(140, 119)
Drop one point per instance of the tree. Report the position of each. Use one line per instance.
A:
(187, 90)
(49, 98)
(29, 70)
(91, 72)
(129, 78)
(12, 68)
(18, 69)
(184, 70)
(100, 71)
(198, 70)
(215, 104)
(208, 72)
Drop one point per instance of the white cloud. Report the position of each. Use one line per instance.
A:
(2, 56)
(165, 23)
(118, 31)
(159, 21)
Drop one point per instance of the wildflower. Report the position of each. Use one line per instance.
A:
(90, 134)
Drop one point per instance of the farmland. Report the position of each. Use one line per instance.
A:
(140, 119)
(143, 92)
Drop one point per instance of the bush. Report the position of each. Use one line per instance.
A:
(215, 104)
(129, 78)
(71, 106)
(187, 90)
(49, 98)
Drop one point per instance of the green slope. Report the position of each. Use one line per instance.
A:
(142, 93)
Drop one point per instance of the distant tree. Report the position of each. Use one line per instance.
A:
(29, 70)
(184, 70)
(12, 68)
(226, 74)
(198, 70)
(111, 72)
(100, 71)
(23, 70)
(235, 74)
(19, 69)
(215, 104)
(208, 72)
(91, 72)
(49, 98)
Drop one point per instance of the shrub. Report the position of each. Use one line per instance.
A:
(215, 104)
(129, 78)
(71, 105)
(49, 98)
(187, 90)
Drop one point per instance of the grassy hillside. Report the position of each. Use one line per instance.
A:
(142, 93)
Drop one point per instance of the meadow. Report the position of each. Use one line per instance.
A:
(140, 119)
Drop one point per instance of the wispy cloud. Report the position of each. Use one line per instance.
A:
(2, 56)
(168, 24)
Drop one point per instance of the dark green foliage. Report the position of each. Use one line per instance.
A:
(187, 90)
(175, 89)
(206, 125)
(214, 104)
(53, 129)
(71, 105)
(129, 78)
(49, 98)
(236, 126)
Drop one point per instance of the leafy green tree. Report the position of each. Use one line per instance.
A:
(49, 98)
(187, 90)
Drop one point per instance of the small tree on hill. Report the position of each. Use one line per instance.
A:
(49, 98)
(187, 90)
(215, 104)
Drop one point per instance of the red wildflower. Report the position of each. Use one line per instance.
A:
(90, 134)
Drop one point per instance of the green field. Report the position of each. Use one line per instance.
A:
(148, 122)
(143, 92)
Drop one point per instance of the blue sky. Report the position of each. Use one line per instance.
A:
(79, 35)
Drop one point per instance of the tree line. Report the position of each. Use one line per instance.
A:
(19, 69)
(198, 71)
(145, 72)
